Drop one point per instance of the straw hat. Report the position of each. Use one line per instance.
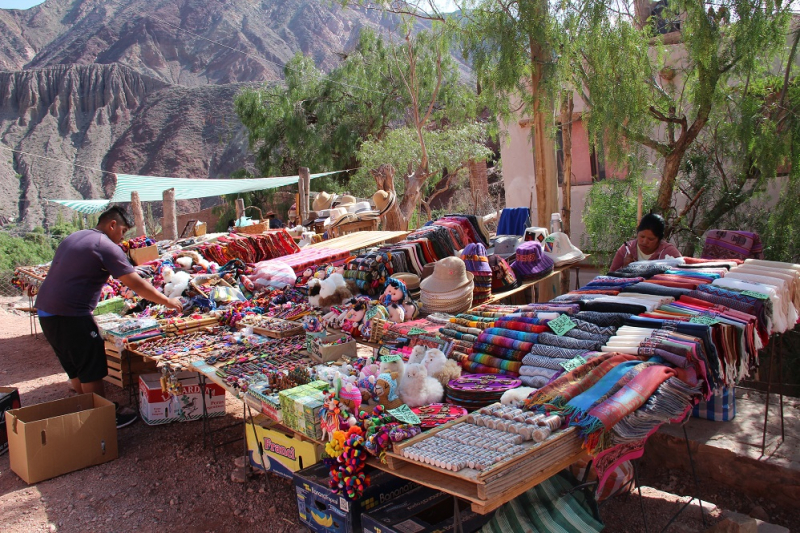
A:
(322, 201)
(560, 249)
(412, 282)
(335, 214)
(384, 200)
(449, 275)
(344, 219)
(531, 263)
(312, 216)
(345, 201)
(453, 302)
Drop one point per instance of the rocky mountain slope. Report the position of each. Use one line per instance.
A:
(143, 86)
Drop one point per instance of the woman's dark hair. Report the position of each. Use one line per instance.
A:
(654, 223)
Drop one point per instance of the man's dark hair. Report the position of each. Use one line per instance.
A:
(115, 213)
(654, 223)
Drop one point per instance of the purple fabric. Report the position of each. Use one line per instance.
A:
(81, 266)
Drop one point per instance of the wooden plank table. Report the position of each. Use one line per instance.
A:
(490, 489)
(362, 239)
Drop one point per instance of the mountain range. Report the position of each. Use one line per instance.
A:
(144, 87)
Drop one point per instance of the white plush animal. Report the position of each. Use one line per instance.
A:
(397, 367)
(516, 396)
(440, 367)
(417, 389)
(306, 239)
(174, 282)
(417, 355)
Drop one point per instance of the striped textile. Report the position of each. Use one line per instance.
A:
(549, 507)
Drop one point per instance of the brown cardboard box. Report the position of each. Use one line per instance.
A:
(140, 256)
(54, 438)
(323, 354)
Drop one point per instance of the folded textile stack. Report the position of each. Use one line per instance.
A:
(449, 288)
(476, 261)
(369, 272)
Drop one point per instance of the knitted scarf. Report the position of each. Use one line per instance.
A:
(555, 396)
(603, 319)
(511, 334)
(499, 351)
(556, 352)
(504, 342)
(458, 335)
(477, 368)
(495, 362)
(521, 326)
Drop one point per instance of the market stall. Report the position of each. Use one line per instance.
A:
(391, 352)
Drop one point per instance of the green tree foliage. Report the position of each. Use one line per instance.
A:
(318, 121)
(661, 97)
(610, 216)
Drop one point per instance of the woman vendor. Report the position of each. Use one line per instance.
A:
(648, 245)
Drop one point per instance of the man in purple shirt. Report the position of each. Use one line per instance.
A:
(70, 292)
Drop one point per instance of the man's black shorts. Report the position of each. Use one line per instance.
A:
(78, 346)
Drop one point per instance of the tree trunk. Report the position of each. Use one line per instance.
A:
(384, 178)
(303, 188)
(138, 214)
(672, 164)
(170, 224)
(545, 171)
(566, 143)
(411, 195)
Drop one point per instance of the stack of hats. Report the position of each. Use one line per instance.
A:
(476, 261)
(560, 249)
(449, 288)
(531, 263)
(412, 283)
(473, 391)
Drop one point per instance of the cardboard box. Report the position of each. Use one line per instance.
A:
(422, 510)
(324, 511)
(9, 399)
(323, 354)
(54, 438)
(157, 407)
(300, 407)
(284, 454)
(140, 256)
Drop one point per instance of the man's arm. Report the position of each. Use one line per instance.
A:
(141, 287)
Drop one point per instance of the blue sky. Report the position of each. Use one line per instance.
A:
(19, 4)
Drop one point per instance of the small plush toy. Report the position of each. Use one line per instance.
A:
(516, 396)
(328, 292)
(394, 292)
(411, 308)
(397, 313)
(353, 319)
(394, 365)
(386, 391)
(417, 355)
(175, 282)
(303, 278)
(417, 389)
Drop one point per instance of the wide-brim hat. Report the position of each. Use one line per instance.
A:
(505, 245)
(384, 200)
(345, 201)
(335, 214)
(322, 201)
(560, 249)
(449, 274)
(503, 277)
(412, 281)
(452, 302)
(312, 216)
(344, 219)
(531, 263)
(535, 233)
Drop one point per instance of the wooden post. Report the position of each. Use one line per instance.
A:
(304, 187)
(639, 204)
(239, 208)
(170, 222)
(138, 214)
(566, 143)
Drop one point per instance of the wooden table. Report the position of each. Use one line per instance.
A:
(529, 285)
(362, 239)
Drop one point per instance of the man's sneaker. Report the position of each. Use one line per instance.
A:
(125, 419)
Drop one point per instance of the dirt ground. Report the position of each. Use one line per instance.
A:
(164, 480)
